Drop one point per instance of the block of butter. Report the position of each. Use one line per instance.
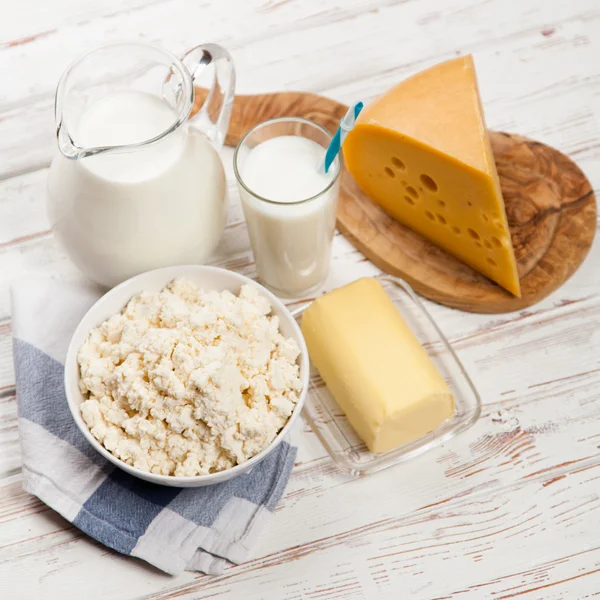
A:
(374, 366)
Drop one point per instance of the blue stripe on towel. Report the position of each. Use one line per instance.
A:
(40, 379)
(128, 504)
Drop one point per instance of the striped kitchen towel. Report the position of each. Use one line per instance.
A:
(175, 529)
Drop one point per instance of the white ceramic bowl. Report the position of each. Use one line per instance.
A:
(208, 278)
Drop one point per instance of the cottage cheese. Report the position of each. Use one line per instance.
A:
(186, 382)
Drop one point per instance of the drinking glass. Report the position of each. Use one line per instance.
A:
(291, 241)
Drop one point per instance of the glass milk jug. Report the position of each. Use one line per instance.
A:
(135, 184)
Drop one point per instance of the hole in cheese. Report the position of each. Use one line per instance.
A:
(485, 217)
(479, 244)
(441, 219)
(411, 190)
(404, 183)
(456, 230)
(441, 203)
(488, 244)
(389, 172)
(430, 215)
(409, 200)
(491, 261)
(469, 203)
(497, 242)
(429, 183)
(398, 163)
(473, 233)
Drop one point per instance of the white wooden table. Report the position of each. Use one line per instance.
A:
(511, 508)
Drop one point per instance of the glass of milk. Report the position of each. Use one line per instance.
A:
(289, 202)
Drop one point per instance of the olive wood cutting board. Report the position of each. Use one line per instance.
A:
(550, 205)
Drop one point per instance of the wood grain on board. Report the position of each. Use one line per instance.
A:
(550, 205)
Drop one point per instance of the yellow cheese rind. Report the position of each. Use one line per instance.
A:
(422, 153)
(374, 366)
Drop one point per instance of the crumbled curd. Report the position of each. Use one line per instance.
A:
(186, 382)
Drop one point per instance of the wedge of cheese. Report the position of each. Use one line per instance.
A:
(374, 366)
(422, 153)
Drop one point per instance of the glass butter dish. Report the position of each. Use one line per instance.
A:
(336, 434)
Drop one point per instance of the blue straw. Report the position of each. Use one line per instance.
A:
(346, 124)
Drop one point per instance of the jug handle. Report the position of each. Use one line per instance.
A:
(221, 92)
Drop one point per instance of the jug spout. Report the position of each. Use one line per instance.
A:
(66, 145)
(69, 103)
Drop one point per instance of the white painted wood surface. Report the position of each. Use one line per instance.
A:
(511, 508)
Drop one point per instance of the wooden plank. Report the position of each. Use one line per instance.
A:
(525, 539)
